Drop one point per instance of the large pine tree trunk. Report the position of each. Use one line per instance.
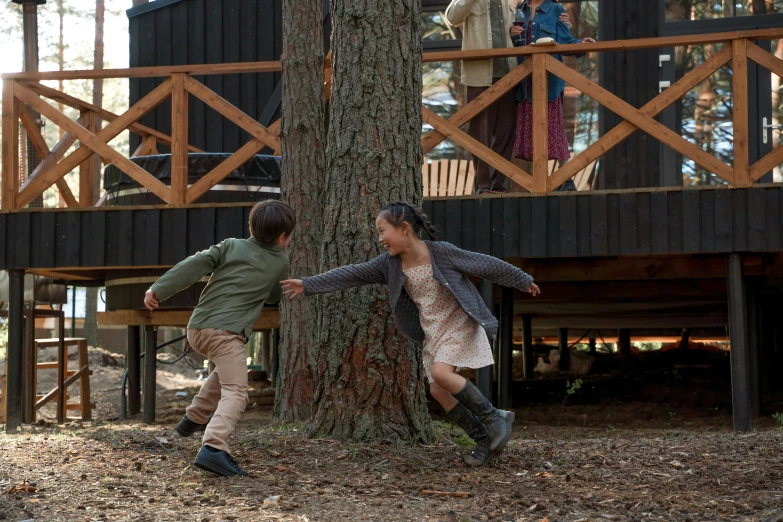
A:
(303, 139)
(368, 379)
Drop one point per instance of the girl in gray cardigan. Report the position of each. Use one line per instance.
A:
(435, 305)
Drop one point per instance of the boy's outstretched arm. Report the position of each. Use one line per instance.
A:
(343, 278)
(184, 274)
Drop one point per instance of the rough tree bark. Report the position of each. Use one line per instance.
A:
(91, 305)
(302, 139)
(367, 378)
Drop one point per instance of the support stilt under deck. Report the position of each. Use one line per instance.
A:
(275, 355)
(624, 342)
(527, 346)
(133, 358)
(593, 349)
(484, 375)
(266, 351)
(150, 369)
(740, 357)
(29, 360)
(754, 347)
(14, 358)
(565, 352)
(505, 356)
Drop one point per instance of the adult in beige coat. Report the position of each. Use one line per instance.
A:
(486, 24)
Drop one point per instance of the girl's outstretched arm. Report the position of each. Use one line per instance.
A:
(371, 272)
(490, 268)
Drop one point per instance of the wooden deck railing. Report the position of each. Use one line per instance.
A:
(23, 93)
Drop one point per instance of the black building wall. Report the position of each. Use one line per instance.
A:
(632, 76)
(181, 32)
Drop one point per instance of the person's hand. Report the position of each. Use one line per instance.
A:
(150, 300)
(565, 19)
(588, 40)
(533, 290)
(515, 31)
(292, 287)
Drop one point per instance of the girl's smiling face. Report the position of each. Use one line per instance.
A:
(394, 239)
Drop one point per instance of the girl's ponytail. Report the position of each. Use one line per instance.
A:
(401, 212)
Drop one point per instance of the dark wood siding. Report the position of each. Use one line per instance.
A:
(577, 226)
(632, 76)
(207, 31)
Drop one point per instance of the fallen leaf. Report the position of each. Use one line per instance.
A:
(24, 487)
(272, 501)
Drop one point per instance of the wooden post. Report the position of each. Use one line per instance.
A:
(540, 124)
(740, 112)
(266, 351)
(527, 347)
(738, 334)
(150, 372)
(179, 139)
(754, 345)
(133, 362)
(28, 357)
(62, 368)
(84, 381)
(87, 167)
(767, 364)
(275, 355)
(14, 358)
(565, 351)
(10, 174)
(593, 349)
(505, 356)
(484, 375)
(624, 342)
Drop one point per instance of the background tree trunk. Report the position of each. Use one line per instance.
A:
(303, 139)
(91, 305)
(367, 378)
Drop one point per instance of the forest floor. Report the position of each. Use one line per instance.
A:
(602, 460)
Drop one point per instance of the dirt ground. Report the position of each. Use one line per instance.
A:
(594, 459)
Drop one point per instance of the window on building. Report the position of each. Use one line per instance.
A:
(681, 10)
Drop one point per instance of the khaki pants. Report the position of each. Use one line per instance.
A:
(225, 390)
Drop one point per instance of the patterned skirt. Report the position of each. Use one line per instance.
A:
(558, 142)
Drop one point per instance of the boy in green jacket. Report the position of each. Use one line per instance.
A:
(245, 275)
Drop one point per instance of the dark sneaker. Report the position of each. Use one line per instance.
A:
(218, 462)
(187, 427)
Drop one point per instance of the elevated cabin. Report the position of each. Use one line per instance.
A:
(674, 117)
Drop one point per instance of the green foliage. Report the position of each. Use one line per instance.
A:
(447, 432)
(573, 387)
(778, 418)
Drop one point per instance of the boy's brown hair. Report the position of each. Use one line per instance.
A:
(269, 219)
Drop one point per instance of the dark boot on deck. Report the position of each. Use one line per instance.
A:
(498, 423)
(462, 417)
(187, 427)
(218, 462)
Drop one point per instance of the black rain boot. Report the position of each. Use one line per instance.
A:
(462, 417)
(498, 424)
